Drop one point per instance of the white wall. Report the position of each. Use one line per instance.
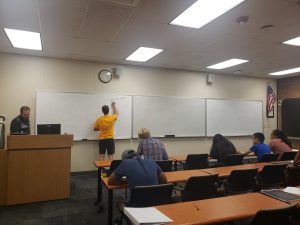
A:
(21, 76)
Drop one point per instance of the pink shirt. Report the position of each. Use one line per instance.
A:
(278, 146)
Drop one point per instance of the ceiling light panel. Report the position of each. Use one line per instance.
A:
(284, 72)
(204, 11)
(143, 54)
(24, 39)
(294, 41)
(227, 63)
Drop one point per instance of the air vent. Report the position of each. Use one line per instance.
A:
(129, 3)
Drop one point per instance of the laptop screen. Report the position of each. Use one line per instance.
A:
(48, 128)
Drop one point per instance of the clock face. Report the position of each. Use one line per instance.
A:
(105, 76)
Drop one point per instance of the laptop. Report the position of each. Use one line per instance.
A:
(49, 129)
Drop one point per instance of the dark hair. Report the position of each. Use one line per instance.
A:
(24, 108)
(259, 136)
(129, 154)
(105, 109)
(279, 134)
(221, 147)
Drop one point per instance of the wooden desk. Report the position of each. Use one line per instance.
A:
(183, 175)
(287, 162)
(182, 158)
(100, 164)
(218, 210)
(172, 177)
(226, 170)
(176, 159)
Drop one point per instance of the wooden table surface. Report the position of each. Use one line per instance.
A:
(218, 210)
(102, 163)
(183, 175)
(226, 170)
(172, 177)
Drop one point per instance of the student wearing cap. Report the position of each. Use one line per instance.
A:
(138, 171)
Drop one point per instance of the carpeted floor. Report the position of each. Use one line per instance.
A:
(78, 209)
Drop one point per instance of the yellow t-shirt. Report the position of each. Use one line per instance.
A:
(105, 124)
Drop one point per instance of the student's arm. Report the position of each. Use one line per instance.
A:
(15, 127)
(246, 153)
(114, 109)
(114, 179)
(162, 179)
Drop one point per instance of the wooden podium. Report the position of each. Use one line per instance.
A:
(38, 168)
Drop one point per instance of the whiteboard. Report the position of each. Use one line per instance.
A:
(77, 112)
(234, 117)
(182, 117)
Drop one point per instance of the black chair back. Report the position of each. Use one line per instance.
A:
(146, 196)
(288, 156)
(165, 165)
(292, 175)
(113, 166)
(280, 216)
(200, 187)
(271, 176)
(270, 157)
(196, 161)
(233, 159)
(241, 181)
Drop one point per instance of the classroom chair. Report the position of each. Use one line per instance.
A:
(147, 196)
(165, 165)
(233, 159)
(199, 187)
(288, 156)
(196, 161)
(292, 175)
(270, 157)
(271, 176)
(241, 181)
(280, 216)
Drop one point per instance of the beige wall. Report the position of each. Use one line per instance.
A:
(22, 76)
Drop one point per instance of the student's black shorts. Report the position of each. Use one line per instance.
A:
(107, 145)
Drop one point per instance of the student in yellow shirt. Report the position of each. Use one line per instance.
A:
(105, 124)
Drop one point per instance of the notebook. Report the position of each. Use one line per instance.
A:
(280, 195)
(146, 216)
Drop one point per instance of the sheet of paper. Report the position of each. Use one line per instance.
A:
(148, 215)
(292, 190)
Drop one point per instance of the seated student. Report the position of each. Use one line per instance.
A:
(138, 171)
(221, 147)
(149, 147)
(259, 147)
(279, 142)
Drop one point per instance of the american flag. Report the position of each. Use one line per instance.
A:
(271, 97)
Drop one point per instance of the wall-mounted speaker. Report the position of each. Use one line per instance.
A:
(210, 78)
(117, 71)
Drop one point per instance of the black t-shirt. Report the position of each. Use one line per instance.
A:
(19, 125)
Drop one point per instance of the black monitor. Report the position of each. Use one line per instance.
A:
(48, 129)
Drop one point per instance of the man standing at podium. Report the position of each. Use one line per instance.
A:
(21, 124)
(105, 124)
